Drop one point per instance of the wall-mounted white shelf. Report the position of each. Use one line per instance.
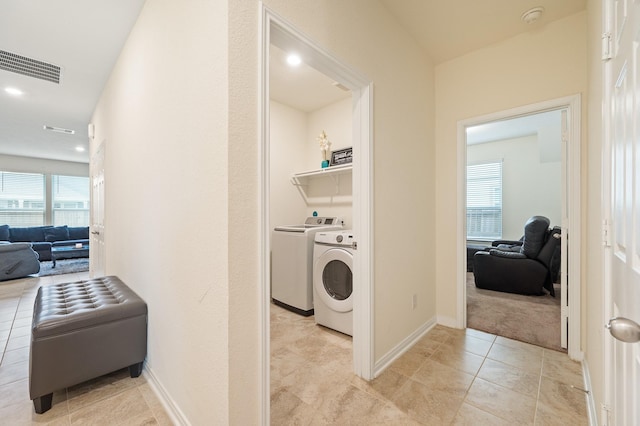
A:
(302, 179)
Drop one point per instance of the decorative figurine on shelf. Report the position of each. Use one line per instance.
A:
(324, 148)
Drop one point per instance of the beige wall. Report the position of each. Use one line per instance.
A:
(336, 120)
(288, 131)
(593, 316)
(12, 163)
(179, 119)
(327, 196)
(545, 64)
(163, 118)
(294, 149)
(362, 34)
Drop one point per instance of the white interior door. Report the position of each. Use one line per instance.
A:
(622, 92)
(97, 251)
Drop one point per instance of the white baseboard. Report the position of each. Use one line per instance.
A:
(591, 404)
(448, 321)
(172, 409)
(402, 347)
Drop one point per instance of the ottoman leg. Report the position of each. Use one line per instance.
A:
(135, 370)
(43, 403)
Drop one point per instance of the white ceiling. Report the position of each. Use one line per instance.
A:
(447, 29)
(514, 127)
(547, 126)
(300, 87)
(85, 38)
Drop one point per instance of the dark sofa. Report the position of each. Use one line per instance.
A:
(44, 237)
(526, 267)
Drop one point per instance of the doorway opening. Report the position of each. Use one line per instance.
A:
(565, 113)
(277, 34)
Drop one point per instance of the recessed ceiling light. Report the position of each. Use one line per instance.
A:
(294, 60)
(13, 91)
(80, 148)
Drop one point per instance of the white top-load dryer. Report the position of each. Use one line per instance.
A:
(292, 262)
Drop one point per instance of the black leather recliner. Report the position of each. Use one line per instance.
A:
(524, 268)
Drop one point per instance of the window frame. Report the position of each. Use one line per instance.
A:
(46, 215)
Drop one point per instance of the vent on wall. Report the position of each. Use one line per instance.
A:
(29, 67)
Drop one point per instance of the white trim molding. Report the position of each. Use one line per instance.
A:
(169, 405)
(403, 346)
(573, 105)
(591, 404)
(277, 31)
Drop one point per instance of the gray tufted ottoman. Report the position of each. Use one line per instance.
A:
(82, 330)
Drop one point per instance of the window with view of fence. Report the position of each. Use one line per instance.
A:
(484, 201)
(24, 200)
(70, 200)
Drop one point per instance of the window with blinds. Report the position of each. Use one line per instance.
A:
(70, 200)
(22, 199)
(484, 201)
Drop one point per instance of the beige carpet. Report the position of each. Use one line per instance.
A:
(531, 319)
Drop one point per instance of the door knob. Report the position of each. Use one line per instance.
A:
(624, 329)
(95, 232)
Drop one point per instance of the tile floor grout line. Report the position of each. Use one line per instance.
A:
(535, 414)
(13, 321)
(475, 376)
(510, 366)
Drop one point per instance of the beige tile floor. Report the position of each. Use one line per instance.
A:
(114, 399)
(450, 377)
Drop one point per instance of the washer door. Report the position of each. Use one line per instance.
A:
(333, 279)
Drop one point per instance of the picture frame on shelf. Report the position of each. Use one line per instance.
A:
(341, 156)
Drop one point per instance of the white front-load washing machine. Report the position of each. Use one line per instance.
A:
(333, 280)
(292, 262)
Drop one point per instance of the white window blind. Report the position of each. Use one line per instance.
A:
(70, 200)
(22, 199)
(484, 201)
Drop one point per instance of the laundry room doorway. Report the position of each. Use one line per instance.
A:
(541, 143)
(341, 189)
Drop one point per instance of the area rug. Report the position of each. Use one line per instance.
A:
(530, 319)
(66, 266)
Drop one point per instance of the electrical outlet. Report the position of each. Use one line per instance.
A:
(414, 301)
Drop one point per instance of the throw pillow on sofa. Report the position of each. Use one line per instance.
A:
(78, 232)
(57, 233)
(27, 234)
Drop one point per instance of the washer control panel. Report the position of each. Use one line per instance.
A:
(321, 221)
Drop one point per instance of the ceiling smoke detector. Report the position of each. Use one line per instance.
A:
(59, 130)
(532, 15)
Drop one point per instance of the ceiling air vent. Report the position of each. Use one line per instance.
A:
(59, 130)
(29, 67)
